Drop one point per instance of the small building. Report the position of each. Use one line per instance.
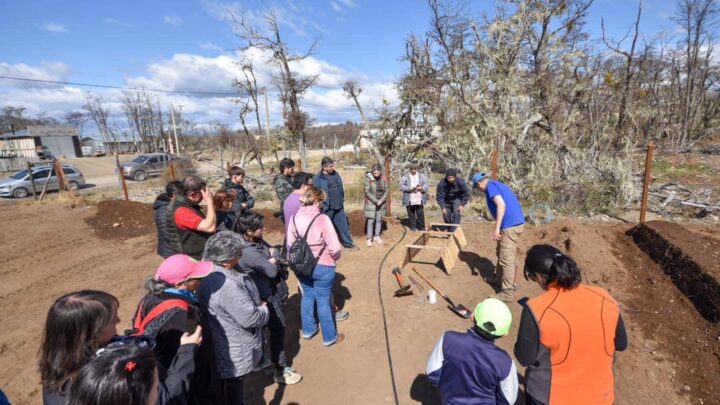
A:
(37, 143)
(60, 141)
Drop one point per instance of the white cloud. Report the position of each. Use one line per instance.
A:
(209, 46)
(117, 22)
(335, 6)
(172, 20)
(54, 27)
(349, 3)
(55, 71)
(326, 102)
(288, 15)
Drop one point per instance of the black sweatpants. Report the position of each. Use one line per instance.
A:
(232, 390)
(416, 216)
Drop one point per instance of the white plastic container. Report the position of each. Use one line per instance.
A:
(432, 296)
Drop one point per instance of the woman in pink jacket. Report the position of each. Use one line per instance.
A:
(325, 245)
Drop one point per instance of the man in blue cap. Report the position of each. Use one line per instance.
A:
(509, 220)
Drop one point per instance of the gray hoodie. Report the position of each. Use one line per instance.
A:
(231, 303)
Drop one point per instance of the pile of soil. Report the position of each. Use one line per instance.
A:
(274, 225)
(690, 259)
(120, 219)
(667, 311)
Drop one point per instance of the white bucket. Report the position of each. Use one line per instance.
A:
(432, 296)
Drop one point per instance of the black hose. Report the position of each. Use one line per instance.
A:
(385, 328)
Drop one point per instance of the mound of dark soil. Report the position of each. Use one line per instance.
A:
(690, 259)
(120, 219)
(274, 225)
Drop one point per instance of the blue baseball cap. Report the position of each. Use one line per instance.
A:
(477, 177)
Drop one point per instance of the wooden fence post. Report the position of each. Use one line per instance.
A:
(32, 179)
(299, 164)
(646, 181)
(122, 177)
(60, 176)
(389, 186)
(172, 171)
(495, 164)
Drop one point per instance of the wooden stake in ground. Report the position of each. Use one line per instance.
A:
(172, 171)
(59, 175)
(389, 191)
(495, 164)
(32, 180)
(122, 177)
(646, 181)
(45, 186)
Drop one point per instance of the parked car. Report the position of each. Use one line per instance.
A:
(151, 164)
(19, 186)
(43, 153)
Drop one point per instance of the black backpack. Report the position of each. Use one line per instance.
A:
(300, 256)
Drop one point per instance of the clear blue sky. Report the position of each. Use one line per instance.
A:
(118, 42)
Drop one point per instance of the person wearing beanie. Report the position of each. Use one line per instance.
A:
(509, 220)
(468, 368)
(452, 196)
(329, 181)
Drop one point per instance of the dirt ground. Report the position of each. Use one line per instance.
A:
(673, 357)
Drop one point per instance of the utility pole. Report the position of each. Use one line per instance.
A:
(172, 114)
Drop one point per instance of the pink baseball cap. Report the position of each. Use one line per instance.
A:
(178, 268)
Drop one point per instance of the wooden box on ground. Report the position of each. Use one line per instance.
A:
(449, 251)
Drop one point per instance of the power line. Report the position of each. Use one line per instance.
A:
(104, 86)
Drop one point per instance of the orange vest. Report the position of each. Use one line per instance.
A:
(578, 327)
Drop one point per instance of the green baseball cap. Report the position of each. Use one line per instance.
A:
(493, 316)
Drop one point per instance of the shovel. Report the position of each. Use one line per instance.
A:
(458, 309)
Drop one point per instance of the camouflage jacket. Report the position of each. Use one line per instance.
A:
(283, 187)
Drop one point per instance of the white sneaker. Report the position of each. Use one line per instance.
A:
(287, 377)
(369, 242)
(378, 240)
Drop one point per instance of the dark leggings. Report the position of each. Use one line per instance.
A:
(232, 390)
(276, 325)
(416, 217)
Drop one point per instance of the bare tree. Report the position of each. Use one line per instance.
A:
(248, 86)
(100, 116)
(77, 120)
(352, 90)
(293, 85)
(696, 19)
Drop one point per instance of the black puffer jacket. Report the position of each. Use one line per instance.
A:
(160, 206)
(242, 196)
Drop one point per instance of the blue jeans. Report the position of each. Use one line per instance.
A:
(318, 291)
(342, 226)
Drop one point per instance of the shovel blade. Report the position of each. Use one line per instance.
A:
(460, 310)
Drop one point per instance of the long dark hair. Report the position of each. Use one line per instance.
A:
(118, 376)
(553, 265)
(72, 331)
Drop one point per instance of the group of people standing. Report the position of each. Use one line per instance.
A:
(214, 311)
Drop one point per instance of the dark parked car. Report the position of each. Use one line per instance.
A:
(151, 164)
